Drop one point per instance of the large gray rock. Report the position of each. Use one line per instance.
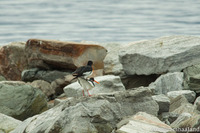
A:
(168, 82)
(165, 54)
(8, 123)
(144, 123)
(108, 83)
(30, 75)
(163, 102)
(95, 114)
(189, 95)
(20, 100)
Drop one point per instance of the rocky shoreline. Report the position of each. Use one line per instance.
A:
(147, 86)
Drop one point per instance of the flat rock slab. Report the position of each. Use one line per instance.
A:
(166, 54)
(63, 55)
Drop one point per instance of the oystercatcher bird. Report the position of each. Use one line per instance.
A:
(82, 73)
(87, 84)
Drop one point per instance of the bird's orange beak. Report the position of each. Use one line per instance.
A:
(96, 82)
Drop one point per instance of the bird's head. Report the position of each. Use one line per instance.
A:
(90, 63)
(92, 80)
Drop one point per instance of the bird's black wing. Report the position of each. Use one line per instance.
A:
(81, 70)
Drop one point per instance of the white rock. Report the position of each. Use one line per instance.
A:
(166, 54)
(8, 123)
(108, 83)
(168, 82)
(189, 95)
(145, 123)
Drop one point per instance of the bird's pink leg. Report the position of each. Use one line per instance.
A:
(88, 93)
(83, 92)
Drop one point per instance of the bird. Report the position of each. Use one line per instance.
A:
(87, 84)
(84, 71)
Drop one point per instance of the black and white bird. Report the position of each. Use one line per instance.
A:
(82, 74)
(84, 71)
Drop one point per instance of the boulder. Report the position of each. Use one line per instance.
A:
(168, 82)
(63, 55)
(163, 102)
(20, 100)
(144, 123)
(189, 95)
(168, 117)
(177, 102)
(192, 78)
(182, 117)
(7, 123)
(44, 86)
(59, 84)
(108, 83)
(30, 75)
(161, 55)
(180, 105)
(13, 60)
(98, 113)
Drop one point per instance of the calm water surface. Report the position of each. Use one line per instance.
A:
(120, 21)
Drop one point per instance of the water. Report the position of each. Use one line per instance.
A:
(120, 21)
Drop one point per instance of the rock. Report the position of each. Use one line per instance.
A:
(192, 123)
(144, 123)
(163, 102)
(44, 86)
(59, 84)
(161, 55)
(63, 55)
(185, 108)
(182, 117)
(168, 82)
(46, 75)
(197, 103)
(108, 83)
(20, 100)
(192, 78)
(2, 78)
(189, 95)
(13, 60)
(98, 113)
(168, 117)
(177, 102)
(7, 123)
